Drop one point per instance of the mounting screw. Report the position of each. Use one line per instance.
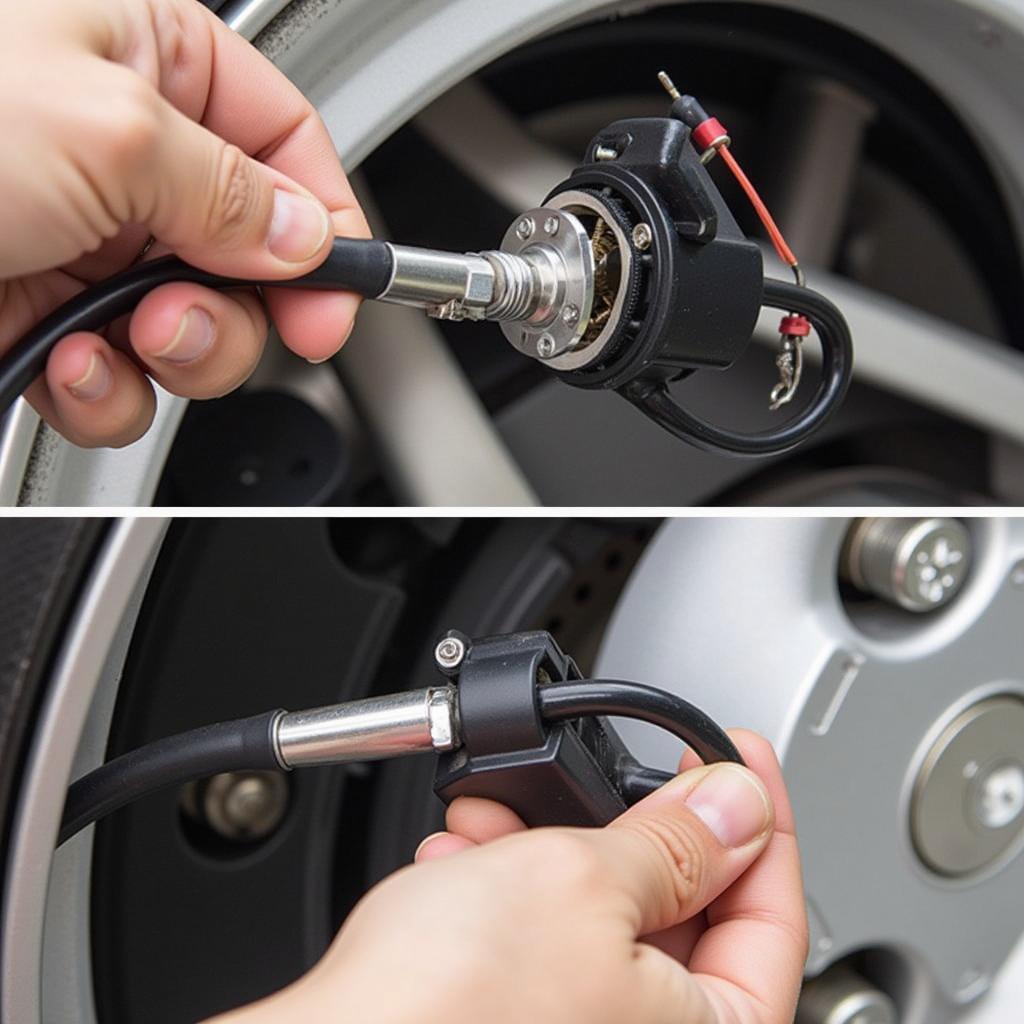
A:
(551, 225)
(570, 314)
(450, 652)
(642, 237)
(545, 346)
(605, 153)
(918, 564)
(525, 228)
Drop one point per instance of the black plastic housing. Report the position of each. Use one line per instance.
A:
(700, 279)
(564, 774)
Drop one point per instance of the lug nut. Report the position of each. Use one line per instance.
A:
(918, 564)
(841, 996)
(240, 806)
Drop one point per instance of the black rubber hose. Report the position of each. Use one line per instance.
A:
(353, 264)
(559, 701)
(654, 401)
(245, 743)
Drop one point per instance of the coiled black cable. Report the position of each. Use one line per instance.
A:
(653, 399)
(243, 743)
(353, 264)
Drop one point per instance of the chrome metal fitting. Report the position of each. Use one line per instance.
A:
(546, 282)
(539, 285)
(370, 730)
(918, 564)
(450, 286)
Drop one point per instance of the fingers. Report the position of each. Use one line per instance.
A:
(762, 761)
(756, 944)
(677, 850)
(471, 822)
(93, 394)
(441, 844)
(197, 342)
(482, 821)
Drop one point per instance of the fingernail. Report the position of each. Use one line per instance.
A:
(95, 382)
(298, 227)
(194, 336)
(429, 839)
(732, 804)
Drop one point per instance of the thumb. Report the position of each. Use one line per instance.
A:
(683, 846)
(212, 204)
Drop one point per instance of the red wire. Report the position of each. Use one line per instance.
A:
(784, 251)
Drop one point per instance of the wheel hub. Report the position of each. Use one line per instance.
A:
(901, 735)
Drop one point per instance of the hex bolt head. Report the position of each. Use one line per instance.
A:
(545, 346)
(918, 564)
(605, 153)
(642, 237)
(571, 314)
(551, 225)
(525, 228)
(449, 652)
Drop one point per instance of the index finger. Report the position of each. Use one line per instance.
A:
(284, 131)
(214, 76)
(756, 941)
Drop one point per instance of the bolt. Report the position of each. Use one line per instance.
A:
(999, 796)
(244, 805)
(605, 153)
(840, 996)
(450, 652)
(918, 564)
(570, 314)
(642, 237)
(551, 225)
(545, 346)
(525, 228)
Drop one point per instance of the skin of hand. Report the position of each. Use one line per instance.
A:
(688, 909)
(125, 120)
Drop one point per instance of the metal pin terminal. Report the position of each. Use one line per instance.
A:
(669, 86)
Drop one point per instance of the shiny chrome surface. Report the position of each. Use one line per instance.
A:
(370, 729)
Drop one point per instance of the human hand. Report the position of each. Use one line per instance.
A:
(125, 120)
(686, 910)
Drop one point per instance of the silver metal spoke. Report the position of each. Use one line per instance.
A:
(819, 126)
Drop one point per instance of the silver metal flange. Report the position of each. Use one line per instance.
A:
(586, 352)
(546, 314)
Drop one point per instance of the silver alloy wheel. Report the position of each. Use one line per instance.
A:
(858, 698)
(369, 65)
(854, 698)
